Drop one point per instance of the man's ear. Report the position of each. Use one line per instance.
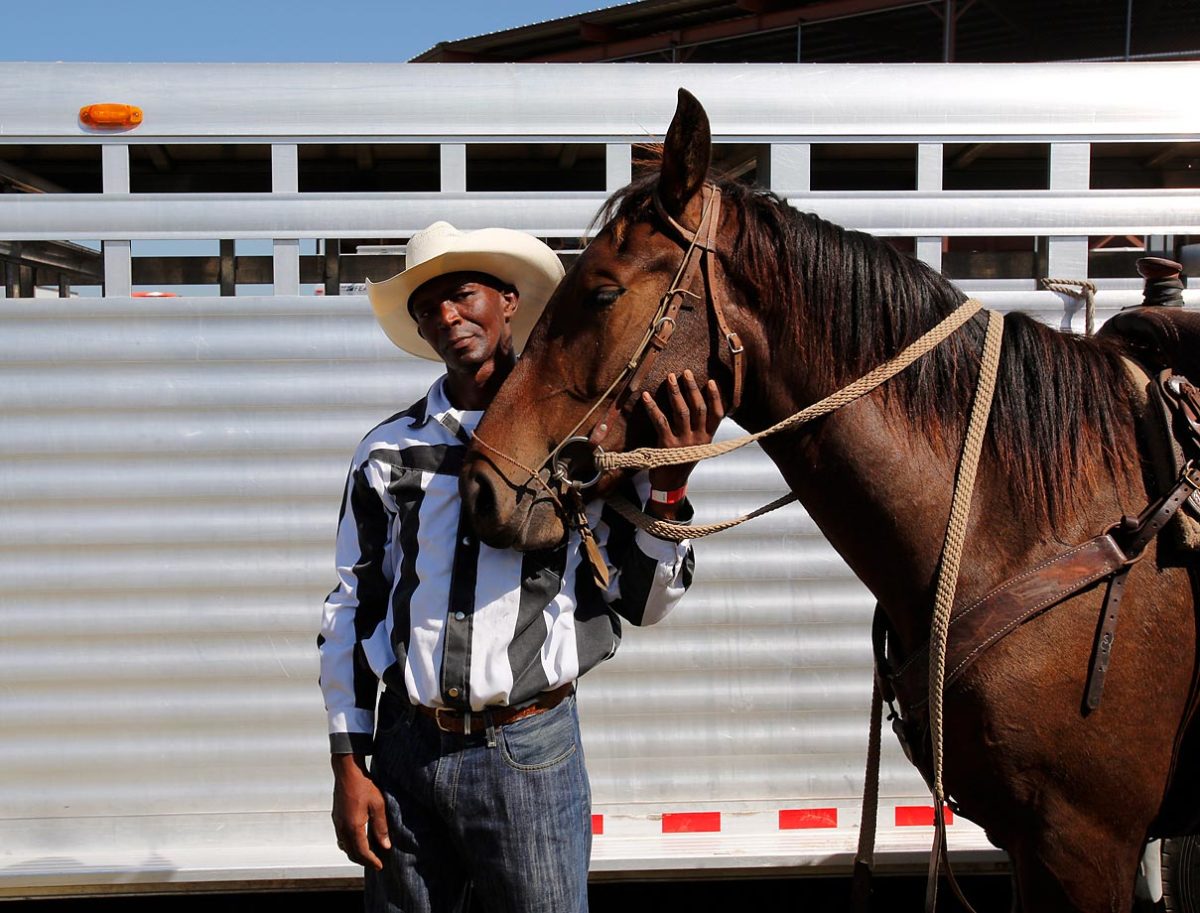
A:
(511, 300)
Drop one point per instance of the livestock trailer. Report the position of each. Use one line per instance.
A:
(171, 467)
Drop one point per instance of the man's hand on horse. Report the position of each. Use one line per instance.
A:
(694, 417)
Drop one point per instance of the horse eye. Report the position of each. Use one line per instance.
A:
(604, 296)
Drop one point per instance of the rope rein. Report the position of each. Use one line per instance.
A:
(678, 532)
(947, 585)
(652, 457)
(956, 533)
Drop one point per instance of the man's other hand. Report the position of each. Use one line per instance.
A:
(358, 806)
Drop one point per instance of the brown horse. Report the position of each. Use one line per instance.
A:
(1071, 796)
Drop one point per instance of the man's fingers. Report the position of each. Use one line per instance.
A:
(716, 406)
(362, 853)
(657, 419)
(379, 826)
(678, 405)
(353, 842)
(696, 404)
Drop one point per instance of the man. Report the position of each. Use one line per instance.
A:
(477, 776)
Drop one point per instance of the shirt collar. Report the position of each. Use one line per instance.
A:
(438, 408)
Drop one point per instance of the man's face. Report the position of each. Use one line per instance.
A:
(465, 317)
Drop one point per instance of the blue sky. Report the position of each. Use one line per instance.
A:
(259, 30)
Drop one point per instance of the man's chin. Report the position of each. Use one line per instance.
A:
(464, 357)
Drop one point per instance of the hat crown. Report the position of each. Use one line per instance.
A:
(429, 243)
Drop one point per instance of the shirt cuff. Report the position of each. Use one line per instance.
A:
(351, 743)
(662, 550)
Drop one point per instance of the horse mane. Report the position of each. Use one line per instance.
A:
(1059, 398)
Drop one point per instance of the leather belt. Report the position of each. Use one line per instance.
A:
(464, 722)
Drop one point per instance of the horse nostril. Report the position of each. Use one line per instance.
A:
(481, 496)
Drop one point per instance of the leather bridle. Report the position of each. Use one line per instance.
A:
(699, 264)
(698, 267)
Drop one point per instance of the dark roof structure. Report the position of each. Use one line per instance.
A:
(846, 31)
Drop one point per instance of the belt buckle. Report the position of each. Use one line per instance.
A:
(437, 718)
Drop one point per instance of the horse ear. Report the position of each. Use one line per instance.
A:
(687, 152)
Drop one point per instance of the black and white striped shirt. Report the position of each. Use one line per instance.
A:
(427, 609)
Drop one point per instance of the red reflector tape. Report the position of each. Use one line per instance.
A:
(597, 824)
(691, 822)
(792, 819)
(918, 816)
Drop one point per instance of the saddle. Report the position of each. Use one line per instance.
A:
(1162, 346)
(1159, 337)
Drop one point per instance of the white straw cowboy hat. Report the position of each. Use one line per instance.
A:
(513, 257)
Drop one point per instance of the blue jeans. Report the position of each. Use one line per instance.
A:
(507, 822)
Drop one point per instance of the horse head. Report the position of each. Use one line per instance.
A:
(642, 280)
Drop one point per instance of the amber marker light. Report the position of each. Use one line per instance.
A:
(111, 116)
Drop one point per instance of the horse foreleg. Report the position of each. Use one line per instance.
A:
(1075, 865)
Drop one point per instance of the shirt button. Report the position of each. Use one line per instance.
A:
(459, 616)
(466, 540)
(453, 692)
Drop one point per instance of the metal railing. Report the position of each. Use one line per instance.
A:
(783, 110)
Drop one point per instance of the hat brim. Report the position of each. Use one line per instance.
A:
(512, 256)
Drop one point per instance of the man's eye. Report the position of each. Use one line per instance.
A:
(604, 296)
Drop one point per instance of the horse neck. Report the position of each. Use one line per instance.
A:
(880, 488)
(880, 492)
(876, 483)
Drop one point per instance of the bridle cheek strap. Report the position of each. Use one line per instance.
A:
(708, 263)
(737, 352)
(698, 249)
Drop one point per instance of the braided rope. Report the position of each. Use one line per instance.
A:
(1083, 289)
(956, 534)
(653, 457)
(677, 532)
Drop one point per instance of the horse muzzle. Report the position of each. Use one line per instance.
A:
(505, 514)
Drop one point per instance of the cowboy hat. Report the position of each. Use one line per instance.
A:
(513, 257)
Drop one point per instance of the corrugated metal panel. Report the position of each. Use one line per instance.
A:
(170, 473)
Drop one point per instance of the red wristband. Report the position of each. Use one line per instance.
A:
(668, 497)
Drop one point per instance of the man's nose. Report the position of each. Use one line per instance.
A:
(448, 314)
